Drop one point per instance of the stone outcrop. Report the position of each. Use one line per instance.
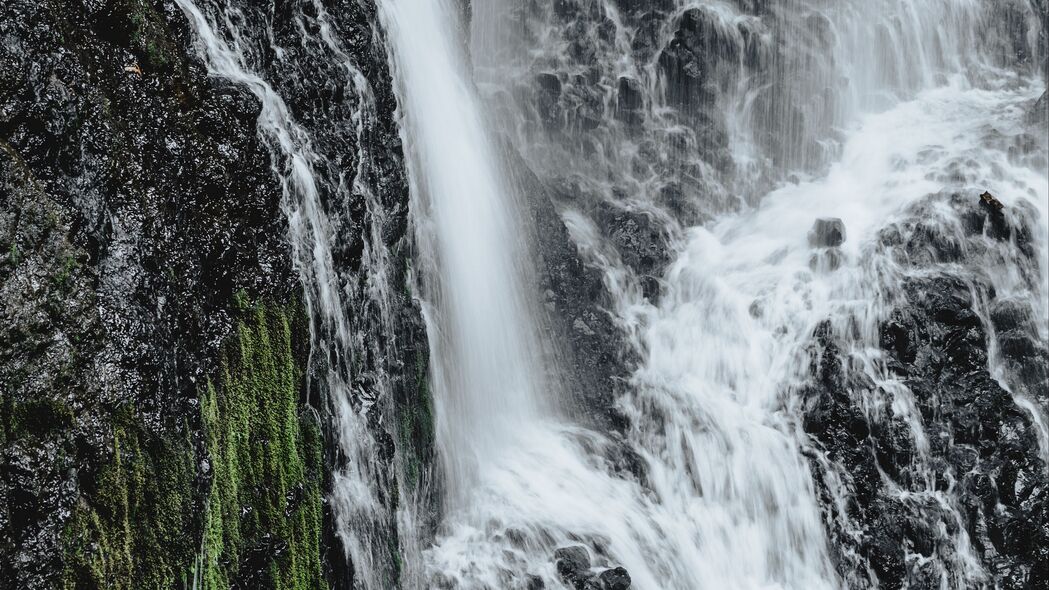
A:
(155, 420)
(966, 470)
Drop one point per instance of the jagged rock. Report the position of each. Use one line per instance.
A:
(982, 446)
(1039, 115)
(989, 200)
(641, 243)
(827, 233)
(614, 579)
(139, 211)
(548, 96)
(630, 101)
(573, 565)
(534, 583)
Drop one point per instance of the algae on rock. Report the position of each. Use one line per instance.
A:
(263, 515)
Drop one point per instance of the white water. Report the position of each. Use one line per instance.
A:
(487, 380)
(362, 519)
(728, 501)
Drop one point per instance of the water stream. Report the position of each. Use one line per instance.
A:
(867, 108)
(865, 111)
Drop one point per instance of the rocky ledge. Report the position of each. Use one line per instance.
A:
(939, 464)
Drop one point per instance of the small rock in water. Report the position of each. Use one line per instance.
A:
(630, 102)
(989, 200)
(615, 579)
(573, 565)
(533, 582)
(827, 233)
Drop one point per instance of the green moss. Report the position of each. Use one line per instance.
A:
(132, 528)
(149, 34)
(241, 509)
(263, 514)
(35, 417)
(416, 425)
(68, 266)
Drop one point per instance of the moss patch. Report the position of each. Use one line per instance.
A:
(262, 522)
(416, 426)
(133, 527)
(249, 503)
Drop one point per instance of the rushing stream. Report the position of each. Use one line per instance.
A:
(728, 501)
(524, 294)
(732, 127)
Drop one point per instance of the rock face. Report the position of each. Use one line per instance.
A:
(967, 463)
(827, 233)
(154, 344)
(573, 567)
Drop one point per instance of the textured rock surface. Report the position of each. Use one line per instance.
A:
(968, 464)
(137, 201)
(153, 343)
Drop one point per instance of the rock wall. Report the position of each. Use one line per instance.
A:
(966, 472)
(158, 418)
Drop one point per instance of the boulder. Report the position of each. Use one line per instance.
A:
(827, 233)
(573, 565)
(630, 101)
(616, 578)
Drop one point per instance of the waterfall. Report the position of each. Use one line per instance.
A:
(793, 113)
(489, 383)
(311, 201)
(740, 130)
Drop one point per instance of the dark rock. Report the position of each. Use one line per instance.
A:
(989, 200)
(641, 243)
(614, 579)
(982, 448)
(630, 101)
(827, 233)
(573, 565)
(589, 344)
(1039, 115)
(548, 96)
(140, 213)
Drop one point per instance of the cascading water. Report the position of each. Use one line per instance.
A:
(732, 127)
(487, 374)
(877, 104)
(315, 195)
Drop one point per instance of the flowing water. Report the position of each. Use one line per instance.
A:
(487, 377)
(229, 36)
(866, 109)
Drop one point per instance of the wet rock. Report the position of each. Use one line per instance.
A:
(573, 565)
(989, 200)
(630, 101)
(1011, 314)
(534, 583)
(1039, 115)
(614, 579)
(576, 300)
(547, 101)
(690, 61)
(139, 212)
(634, 8)
(645, 42)
(982, 450)
(641, 243)
(584, 105)
(827, 260)
(827, 233)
